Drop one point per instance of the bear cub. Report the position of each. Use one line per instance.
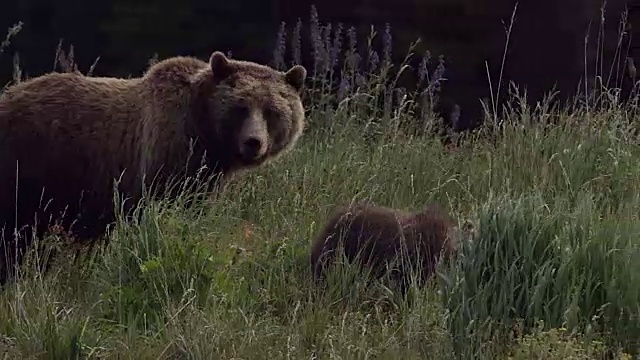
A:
(377, 236)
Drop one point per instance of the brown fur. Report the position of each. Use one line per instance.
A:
(73, 135)
(377, 235)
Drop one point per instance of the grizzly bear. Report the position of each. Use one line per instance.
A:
(65, 138)
(377, 237)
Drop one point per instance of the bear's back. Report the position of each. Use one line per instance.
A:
(66, 122)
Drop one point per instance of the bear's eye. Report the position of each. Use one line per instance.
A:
(239, 111)
(276, 123)
(270, 114)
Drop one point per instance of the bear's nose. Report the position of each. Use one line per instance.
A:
(252, 147)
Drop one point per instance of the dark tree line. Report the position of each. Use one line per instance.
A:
(546, 45)
(126, 34)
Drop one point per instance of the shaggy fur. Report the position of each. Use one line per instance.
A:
(69, 136)
(378, 236)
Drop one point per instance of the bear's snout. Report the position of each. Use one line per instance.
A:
(253, 137)
(252, 148)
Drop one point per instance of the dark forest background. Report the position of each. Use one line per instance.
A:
(547, 44)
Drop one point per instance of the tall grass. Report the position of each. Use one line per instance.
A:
(554, 195)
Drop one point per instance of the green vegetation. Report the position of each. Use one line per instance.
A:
(554, 272)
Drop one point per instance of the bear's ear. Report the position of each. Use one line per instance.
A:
(220, 65)
(296, 76)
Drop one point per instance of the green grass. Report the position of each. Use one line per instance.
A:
(554, 271)
(558, 241)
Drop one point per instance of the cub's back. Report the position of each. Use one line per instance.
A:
(362, 227)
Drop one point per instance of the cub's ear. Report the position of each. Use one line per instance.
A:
(296, 76)
(220, 65)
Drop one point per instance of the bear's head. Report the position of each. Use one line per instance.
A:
(251, 112)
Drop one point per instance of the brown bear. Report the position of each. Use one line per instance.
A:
(377, 236)
(65, 137)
